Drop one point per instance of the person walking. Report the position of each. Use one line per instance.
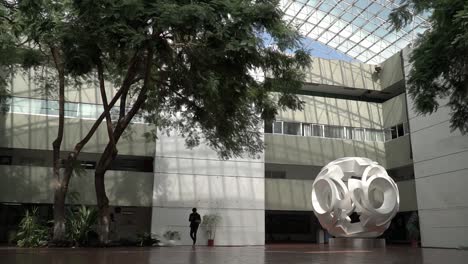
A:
(195, 221)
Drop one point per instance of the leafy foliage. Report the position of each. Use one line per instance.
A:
(80, 225)
(413, 226)
(147, 239)
(172, 235)
(13, 53)
(440, 58)
(210, 223)
(203, 53)
(31, 232)
(187, 63)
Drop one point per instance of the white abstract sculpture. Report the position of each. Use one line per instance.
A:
(354, 185)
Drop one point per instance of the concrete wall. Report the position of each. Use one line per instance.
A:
(394, 111)
(26, 85)
(287, 194)
(408, 201)
(316, 151)
(334, 111)
(298, 172)
(234, 189)
(341, 73)
(441, 172)
(38, 132)
(28, 184)
(398, 152)
(295, 195)
(392, 71)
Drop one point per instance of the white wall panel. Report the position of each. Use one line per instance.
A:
(30, 184)
(440, 165)
(234, 189)
(238, 227)
(182, 165)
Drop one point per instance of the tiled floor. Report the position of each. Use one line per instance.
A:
(273, 254)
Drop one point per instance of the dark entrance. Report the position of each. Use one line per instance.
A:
(291, 227)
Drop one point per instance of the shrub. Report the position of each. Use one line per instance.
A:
(210, 222)
(80, 225)
(31, 232)
(147, 239)
(172, 235)
(412, 226)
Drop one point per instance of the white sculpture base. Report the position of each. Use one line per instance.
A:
(356, 243)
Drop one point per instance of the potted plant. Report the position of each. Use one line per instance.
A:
(412, 227)
(209, 223)
(172, 237)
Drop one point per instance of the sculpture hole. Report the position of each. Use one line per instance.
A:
(354, 218)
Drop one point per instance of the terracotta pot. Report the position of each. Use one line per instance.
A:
(210, 242)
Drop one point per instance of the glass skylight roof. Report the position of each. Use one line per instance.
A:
(357, 28)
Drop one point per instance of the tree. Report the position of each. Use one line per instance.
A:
(195, 60)
(185, 65)
(439, 58)
(39, 33)
(14, 54)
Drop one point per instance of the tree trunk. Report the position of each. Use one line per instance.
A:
(102, 201)
(60, 192)
(59, 216)
(103, 206)
(110, 151)
(101, 197)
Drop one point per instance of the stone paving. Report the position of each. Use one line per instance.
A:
(272, 254)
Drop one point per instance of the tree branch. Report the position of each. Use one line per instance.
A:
(122, 124)
(102, 87)
(128, 81)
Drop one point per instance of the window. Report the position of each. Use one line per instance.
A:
(348, 133)
(275, 174)
(71, 109)
(88, 164)
(291, 128)
(51, 108)
(88, 111)
(375, 135)
(394, 132)
(358, 134)
(317, 130)
(334, 132)
(397, 131)
(268, 127)
(307, 130)
(278, 127)
(128, 163)
(400, 130)
(25, 105)
(5, 160)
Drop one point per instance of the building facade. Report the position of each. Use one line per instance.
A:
(351, 109)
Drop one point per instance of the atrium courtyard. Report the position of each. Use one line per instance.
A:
(258, 131)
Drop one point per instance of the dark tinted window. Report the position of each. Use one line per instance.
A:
(143, 164)
(268, 128)
(400, 129)
(292, 128)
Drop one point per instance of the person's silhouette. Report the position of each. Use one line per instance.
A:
(195, 221)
